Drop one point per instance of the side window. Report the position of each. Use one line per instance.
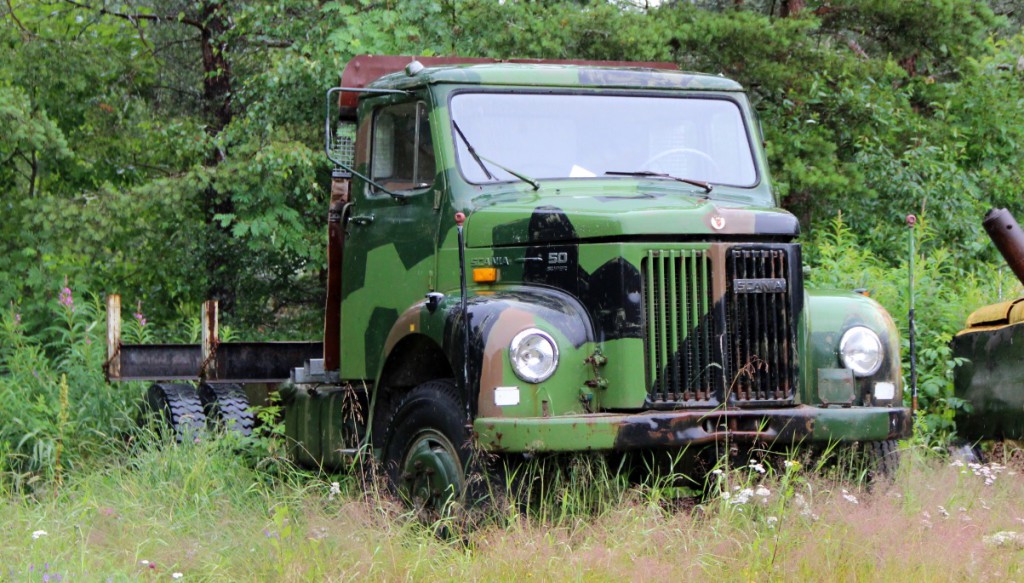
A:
(403, 152)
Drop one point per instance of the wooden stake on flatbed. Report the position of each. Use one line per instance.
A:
(208, 368)
(113, 368)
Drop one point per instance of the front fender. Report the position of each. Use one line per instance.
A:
(828, 314)
(495, 318)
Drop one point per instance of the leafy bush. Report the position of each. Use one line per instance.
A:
(57, 409)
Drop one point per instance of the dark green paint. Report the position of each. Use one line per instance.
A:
(991, 381)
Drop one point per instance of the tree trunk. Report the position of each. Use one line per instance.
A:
(216, 69)
(217, 103)
(792, 8)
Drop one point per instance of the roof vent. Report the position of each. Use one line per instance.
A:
(413, 68)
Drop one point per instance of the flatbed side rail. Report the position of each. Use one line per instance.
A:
(211, 360)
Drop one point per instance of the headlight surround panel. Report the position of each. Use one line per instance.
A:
(861, 351)
(533, 355)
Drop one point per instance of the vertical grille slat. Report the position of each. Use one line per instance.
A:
(681, 355)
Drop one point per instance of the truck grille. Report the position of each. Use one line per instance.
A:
(755, 361)
(678, 332)
(759, 329)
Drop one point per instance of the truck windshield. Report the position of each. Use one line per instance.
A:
(548, 136)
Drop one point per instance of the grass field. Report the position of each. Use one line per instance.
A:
(202, 513)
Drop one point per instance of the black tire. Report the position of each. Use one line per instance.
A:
(227, 407)
(178, 405)
(427, 448)
(882, 460)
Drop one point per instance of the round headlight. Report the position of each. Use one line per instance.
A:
(861, 351)
(534, 355)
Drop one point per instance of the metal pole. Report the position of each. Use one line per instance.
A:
(911, 221)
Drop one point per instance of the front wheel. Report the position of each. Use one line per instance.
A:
(882, 460)
(427, 446)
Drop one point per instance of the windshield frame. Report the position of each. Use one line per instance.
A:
(744, 116)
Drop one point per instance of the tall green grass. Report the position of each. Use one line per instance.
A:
(201, 511)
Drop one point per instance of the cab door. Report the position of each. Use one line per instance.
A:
(391, 233)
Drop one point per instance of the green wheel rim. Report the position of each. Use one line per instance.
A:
(431, 471)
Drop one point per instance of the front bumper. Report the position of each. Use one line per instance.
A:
(673, 429)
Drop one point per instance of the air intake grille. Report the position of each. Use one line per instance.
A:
(685, 364)
(759, 325)
(678, 335)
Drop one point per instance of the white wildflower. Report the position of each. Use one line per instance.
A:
(743, 497)
(943, 512)
(957, 464)
(757, 467)
(1006, 538)
(791, 464)
(177, 575)
(726, 495)
(850, 497)
(144, 562)
(762, 492)
(772, 521)
(335, 490)
(717, 471)
(39, 533)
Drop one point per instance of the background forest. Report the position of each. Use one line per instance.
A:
(171, 151)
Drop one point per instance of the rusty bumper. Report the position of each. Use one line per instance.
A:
(673, 429)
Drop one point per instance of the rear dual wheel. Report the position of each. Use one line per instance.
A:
(227, 407)
(187, 412)
(179, 408)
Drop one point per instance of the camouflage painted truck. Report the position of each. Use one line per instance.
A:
(532, 257)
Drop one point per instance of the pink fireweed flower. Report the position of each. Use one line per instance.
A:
(139, 317)
(65, 298)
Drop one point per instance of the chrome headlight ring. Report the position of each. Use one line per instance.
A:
(533, 355)
(861, 351)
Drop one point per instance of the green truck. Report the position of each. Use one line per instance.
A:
(548, 256)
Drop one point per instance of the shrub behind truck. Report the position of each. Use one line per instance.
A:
(537, 256)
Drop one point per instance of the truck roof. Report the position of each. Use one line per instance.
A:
(557, 75)
(389, 72)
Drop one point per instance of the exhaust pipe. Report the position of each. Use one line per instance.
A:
(1004, 231)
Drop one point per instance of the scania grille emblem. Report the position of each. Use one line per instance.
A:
(718, 222)
(775, 285)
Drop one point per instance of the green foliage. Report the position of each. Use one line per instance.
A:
(57, 408)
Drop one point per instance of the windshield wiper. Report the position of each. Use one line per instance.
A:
(480, 161)
(698, 183)
(472, 151)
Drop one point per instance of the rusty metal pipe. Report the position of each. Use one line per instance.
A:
(1004, 231)
(335, 246)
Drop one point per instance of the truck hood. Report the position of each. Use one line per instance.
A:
(518, 218)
